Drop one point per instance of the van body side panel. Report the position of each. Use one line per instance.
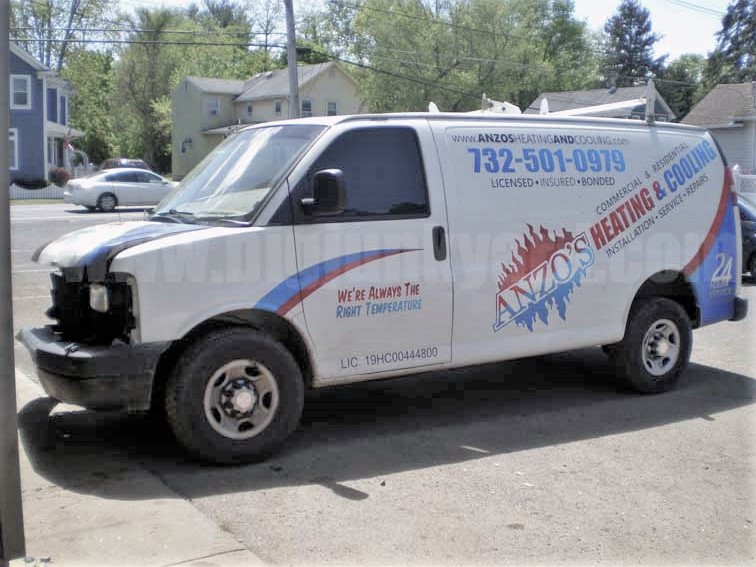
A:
(555, 226)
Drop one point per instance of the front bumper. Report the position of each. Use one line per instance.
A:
(741, 309)
(96, 377)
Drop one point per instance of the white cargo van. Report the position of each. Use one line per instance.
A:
(323, 251)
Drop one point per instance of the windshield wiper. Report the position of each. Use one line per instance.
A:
(222, 220)
(184, 217)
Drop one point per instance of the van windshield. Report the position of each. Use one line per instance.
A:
(237, 175)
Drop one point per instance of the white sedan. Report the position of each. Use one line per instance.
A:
(111, 188)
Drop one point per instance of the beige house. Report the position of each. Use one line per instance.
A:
(204, 110)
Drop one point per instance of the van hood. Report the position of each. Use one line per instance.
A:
(93, 248)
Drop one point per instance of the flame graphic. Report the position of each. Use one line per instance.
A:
(537, 247)
(536, 250)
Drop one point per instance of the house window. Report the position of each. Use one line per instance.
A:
(64, 110)
(306, 108)
(277, 108)
(213, 106)
(20, 94)
(13, 149)
(249, 111)
(331, 111)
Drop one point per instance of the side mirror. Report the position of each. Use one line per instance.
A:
(328, 194)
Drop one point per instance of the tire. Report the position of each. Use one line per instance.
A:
(107, 202)
(656, 347)
(234, 396)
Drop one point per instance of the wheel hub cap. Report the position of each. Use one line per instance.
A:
(238, 398)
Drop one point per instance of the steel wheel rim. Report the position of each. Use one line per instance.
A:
(241, 398)
(107, 202)
(661, 347)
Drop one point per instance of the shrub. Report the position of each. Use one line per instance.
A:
(30, 183)
(59, 176)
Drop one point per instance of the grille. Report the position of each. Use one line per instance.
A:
(77, 321)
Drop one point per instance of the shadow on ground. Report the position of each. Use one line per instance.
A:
(383, 427)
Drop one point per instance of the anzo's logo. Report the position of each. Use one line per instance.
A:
(542, 275)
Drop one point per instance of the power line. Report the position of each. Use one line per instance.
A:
(140, 30)
(696, 8)
(151, 42)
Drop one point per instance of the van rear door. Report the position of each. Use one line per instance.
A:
(375, 279)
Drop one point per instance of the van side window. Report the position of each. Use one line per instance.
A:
(383, 175)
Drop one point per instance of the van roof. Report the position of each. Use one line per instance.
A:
(477, 118)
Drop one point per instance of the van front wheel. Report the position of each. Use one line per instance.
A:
(656, 347)
(234, 396)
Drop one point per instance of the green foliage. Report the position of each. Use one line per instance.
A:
(47, 29)
(92, 75)
(680, 83)
(451, 51)
(629, 45)
(734, 59)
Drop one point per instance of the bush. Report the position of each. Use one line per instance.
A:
(30, 183)
(59, 176)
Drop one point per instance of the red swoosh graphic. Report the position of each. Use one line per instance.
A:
(317, 284)
(711, 236)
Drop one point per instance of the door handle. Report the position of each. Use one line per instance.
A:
(439, 243)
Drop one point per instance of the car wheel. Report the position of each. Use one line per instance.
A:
(656, 346)
(107, 202)
(234, 396)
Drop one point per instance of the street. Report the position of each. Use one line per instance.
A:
(534, 461)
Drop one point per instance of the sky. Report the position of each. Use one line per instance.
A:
(686, 26)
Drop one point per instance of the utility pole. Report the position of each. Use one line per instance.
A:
(291, 59)
(11, 518)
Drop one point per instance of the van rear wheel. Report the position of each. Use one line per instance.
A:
(656, 347)
(234, 396)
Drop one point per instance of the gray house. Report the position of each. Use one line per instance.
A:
(205, 110)
(729, 111)
(571, 100)
(39, 137)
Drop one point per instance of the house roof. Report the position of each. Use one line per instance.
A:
(26, 57)
(275, 84)
(723, 105)
(217, 86)
(570, 100)
(271, 84)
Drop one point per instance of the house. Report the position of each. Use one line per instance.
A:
(205, 110)
(571, 100)
(39, 136)
(729, 112)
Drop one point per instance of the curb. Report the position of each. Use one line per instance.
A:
(75, 512)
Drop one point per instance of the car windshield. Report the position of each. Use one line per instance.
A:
(235, 177)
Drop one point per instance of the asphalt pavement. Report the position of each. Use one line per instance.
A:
(536, 461)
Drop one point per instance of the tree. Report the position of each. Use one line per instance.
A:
(679, 83)
(141, 73)
(168, 46)
(630, 45)
(93, 76)
(452, 51)
(47, 28)
(734, 59)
